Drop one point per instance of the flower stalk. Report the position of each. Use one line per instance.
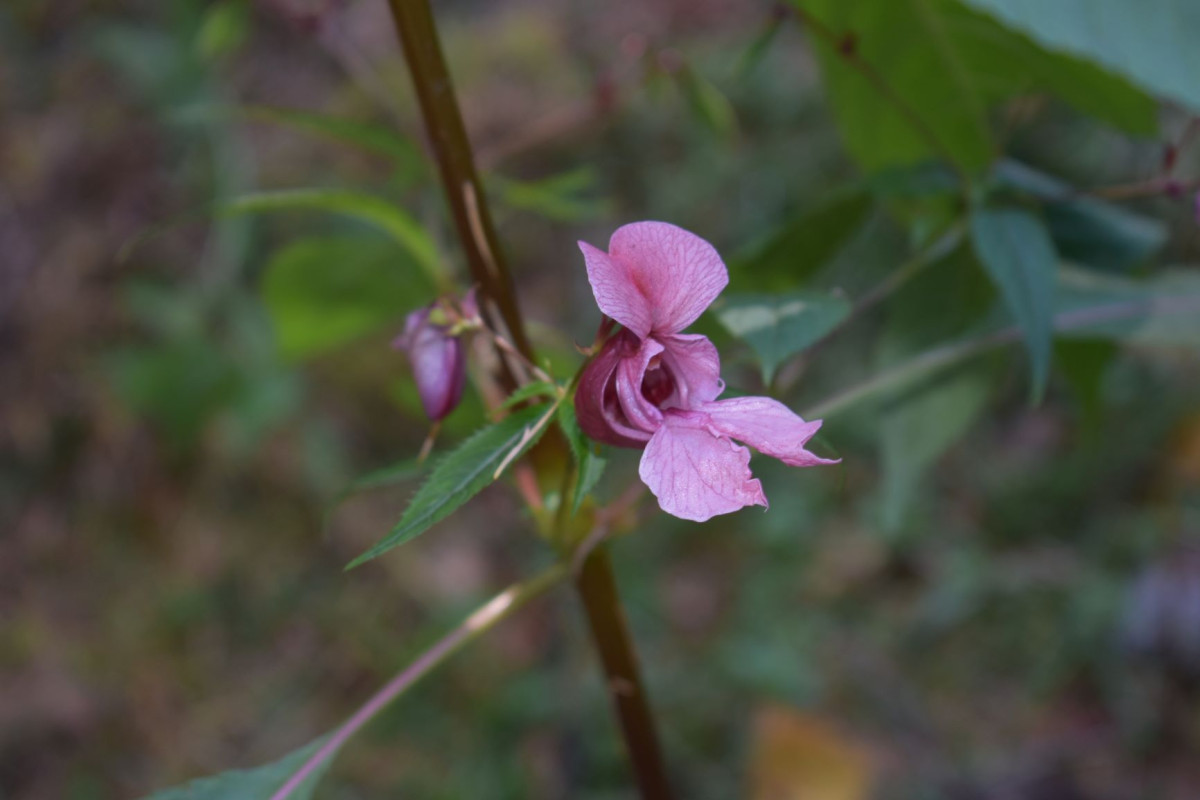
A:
(464, 193)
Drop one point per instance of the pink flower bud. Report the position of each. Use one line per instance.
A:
(438, 363)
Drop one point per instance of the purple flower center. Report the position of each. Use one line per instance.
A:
(658, 384)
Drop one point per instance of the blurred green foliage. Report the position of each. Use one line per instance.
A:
(959, 592)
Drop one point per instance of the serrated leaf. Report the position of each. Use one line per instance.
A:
(384, 215)
(1017, 253)
(322, 292)
(779, 326)
(530, 391)
(1151, 42)
(1085, 229)
(460, 475)
(251, 784)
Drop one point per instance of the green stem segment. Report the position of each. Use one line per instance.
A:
(456, 162)
(468, 204)
(598, 589)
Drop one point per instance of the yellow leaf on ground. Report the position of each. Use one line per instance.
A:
(797, 756)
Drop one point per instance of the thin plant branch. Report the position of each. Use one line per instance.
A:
(953, 353)
(480, 622)
(456, 165)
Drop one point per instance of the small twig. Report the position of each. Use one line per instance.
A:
(955, 352)
(482, 620)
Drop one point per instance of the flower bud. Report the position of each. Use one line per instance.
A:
(438, 362)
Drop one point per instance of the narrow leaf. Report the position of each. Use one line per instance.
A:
(461, 475)
(388, 217)
(251, 784)
(1017, 253)
(779, 326)
(530, 391)
(363, 135)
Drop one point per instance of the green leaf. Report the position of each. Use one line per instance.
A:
(920, 428)
(569, 197)
(223, 29)
(322, 292)
(1017, 253)
(363, 135)
(1151, 42)
(802, 245)
(530, 391)
(399, 472)
(1087, 230)
(943, 66)
(1161, 312)
(252, 784)
(386, 216)
(583, 450)
(908, 43)
(461, 475)
(709, 104)
(778, 326)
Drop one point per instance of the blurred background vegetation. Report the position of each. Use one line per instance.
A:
(211, 220)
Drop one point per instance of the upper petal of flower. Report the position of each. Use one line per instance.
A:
(656, 277)
(768, 426)
(695, 474)
(616, 291)
(678, 273)
(695, 368)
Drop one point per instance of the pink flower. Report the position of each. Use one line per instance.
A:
(653, 386)
(437, 359)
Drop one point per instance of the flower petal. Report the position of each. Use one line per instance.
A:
(768, 426)
(616, 291)
(695, 367)
(631, 372)
(696, 475)
(676, 272)
(596, 404)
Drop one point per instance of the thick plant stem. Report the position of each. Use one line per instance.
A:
(456, 164)
(598, 590)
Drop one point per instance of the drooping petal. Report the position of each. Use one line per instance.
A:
(596, 404)
(676, 272)
(438, 364)
(617, 292)
(696, 475)
(630, 376)
(695, 366)
(768, 426)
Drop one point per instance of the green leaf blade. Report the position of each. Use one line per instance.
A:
(1018, 255)
(1152, 42)
(779, 326)
(462, 474)
(252, 784)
